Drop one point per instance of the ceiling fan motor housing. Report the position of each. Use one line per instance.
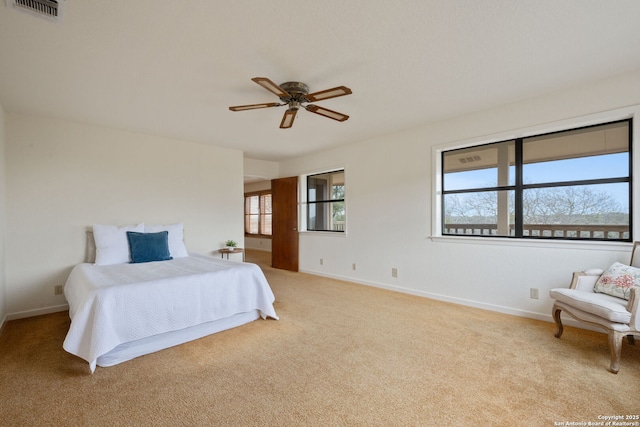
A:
(297, 90)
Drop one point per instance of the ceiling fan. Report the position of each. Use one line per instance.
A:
(294, 94)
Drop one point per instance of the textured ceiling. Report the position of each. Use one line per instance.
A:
(172, 68)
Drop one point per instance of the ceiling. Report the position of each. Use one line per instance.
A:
(172, 68)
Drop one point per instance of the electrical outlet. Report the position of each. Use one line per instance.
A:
(58, 289)
(533, 293)
(353, 266)
(321, 261)
(394, 272)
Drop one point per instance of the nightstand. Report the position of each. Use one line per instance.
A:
(226, 251)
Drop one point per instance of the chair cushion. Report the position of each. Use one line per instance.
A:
(601, 305)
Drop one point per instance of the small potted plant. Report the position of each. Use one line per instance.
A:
(231, 244)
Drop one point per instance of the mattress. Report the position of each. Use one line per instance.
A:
(114, 305)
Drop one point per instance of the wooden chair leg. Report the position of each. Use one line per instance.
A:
(615, 345)
(556, 316)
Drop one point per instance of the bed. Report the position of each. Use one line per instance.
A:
(122, 310)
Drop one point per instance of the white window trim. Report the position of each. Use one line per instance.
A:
(631, 112)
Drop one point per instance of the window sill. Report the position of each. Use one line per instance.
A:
(325, 233)
(535, 243)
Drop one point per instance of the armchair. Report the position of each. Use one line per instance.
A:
(619, 317)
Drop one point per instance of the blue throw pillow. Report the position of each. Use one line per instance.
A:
(147, 247)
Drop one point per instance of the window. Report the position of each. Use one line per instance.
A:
(573, 184)
(325, 201)
(257, 214)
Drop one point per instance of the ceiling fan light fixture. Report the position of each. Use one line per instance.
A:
(295, 95)
(326, 113)
(288, 118)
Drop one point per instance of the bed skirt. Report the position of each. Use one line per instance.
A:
(133, 349)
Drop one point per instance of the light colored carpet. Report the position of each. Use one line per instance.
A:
(341, 354)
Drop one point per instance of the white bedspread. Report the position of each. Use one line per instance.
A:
(114, 304)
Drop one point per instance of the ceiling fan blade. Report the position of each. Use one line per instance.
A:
(328, 93)
(271, 86)
(326, 112)
(254, 106)
(288, 118)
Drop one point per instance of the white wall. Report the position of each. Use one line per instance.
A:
(389, 213)
(3, 216)
(261, 170)
(62, 177)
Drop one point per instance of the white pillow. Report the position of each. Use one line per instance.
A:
(112, 246)
(177, 248)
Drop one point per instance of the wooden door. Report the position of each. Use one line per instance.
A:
(284, 238)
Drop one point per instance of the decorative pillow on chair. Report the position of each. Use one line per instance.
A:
(618, 280)
(148, 247)
(111, 243)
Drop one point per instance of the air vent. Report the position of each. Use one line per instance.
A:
(47, 9)
(470, 159)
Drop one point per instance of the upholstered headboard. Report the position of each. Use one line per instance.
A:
(90, 248)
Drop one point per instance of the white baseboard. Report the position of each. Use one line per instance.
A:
(4, 322)
(461, 301)
(37, 312)
(567, 321)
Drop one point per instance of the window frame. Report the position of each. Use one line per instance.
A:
(327, 202)
(437, 217)
(260, 194)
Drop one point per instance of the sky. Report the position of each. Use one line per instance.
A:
(593, 167)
